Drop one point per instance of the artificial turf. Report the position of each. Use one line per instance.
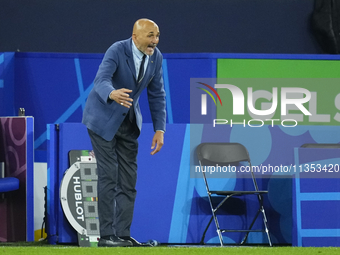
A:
(38, 249)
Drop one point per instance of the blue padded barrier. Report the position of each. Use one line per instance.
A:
(9, 184)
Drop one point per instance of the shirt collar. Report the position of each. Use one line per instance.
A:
(136, 51)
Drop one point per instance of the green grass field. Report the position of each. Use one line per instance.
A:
(38, 249)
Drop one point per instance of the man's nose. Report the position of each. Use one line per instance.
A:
(155, 40)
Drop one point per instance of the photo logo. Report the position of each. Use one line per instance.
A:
(289, 97)
(265, 101)
(204, 97)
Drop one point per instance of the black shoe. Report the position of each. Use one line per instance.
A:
(134, 242)
(114, 241)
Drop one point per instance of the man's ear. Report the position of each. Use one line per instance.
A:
(134, 37)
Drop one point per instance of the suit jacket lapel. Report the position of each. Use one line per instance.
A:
(129, 58)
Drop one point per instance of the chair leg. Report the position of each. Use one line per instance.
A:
(213, 210)
(261, 209)
(218, 229)
(251, 226)
(205, 231)
(264, 219)
(266, 226)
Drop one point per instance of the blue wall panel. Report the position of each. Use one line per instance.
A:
(180, 72)
(7, 86)
(156, 184)
(316, 203)
(53, 87)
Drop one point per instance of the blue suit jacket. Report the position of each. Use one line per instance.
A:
(117, 70)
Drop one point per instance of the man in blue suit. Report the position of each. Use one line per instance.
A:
(114, 121)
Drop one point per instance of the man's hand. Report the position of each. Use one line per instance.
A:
(158, 141)
(122, 97)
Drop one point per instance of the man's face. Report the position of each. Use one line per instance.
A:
(147, 38)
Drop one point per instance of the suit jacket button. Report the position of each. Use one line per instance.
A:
(124, 114)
